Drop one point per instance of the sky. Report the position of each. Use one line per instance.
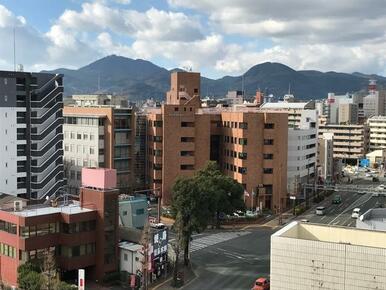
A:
(215, 37)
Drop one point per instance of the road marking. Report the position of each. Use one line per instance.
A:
(214, 239)
(322, 218)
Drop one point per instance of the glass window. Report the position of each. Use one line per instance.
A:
(42, 229)
(85, 136)
(92, 137)
(92, 150)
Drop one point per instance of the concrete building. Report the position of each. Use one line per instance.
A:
(81, 234)
(377, 132)
(350, 141)
(302, 141)
(133, 212)
(99, 100)
(374, 104)
(326, 157)
(31, 126)
(99, 136)
(250, 145)
(348, 113)
(373, 219)
(309, 256)
(130, 257)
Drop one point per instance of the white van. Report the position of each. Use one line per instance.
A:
(320, 210)
(355, 213)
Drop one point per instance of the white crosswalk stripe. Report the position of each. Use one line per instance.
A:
(214, 239)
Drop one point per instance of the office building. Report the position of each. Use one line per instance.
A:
(350, 141)
(140, 152)
(99, 136)
(309, 256)
(326, 157)
(249, 145)
(31, 125)
(377, 132)
(80, 234)
(348, 113)
(302, 142)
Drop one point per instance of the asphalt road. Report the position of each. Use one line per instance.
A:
(232, 264)
(340, 214)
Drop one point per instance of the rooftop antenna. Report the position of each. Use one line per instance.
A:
(14, 47)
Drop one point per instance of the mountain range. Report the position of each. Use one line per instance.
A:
(141, 79)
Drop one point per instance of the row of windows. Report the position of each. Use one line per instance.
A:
(244, 155)
(7, 250)
(39, 230)
(244, 125)
(244, 170)
(155, 152)
(8, 227)
(84, 121)
(80, 136)
(82, 149)
(83, 163)
(185, 109)
(187, 167)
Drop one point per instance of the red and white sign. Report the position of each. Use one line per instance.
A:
(81, 280)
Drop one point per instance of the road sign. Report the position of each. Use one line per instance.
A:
(81, 280)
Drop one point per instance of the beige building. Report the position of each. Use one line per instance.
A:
(250, 145)
(377, 131)
(309, 256)
(350, 141)
(326, 157)
(99, 136)
(348, 113)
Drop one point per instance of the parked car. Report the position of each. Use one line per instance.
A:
(250, 213)
(337, 199)
(355, 213)
(320, 210)
(261, 284)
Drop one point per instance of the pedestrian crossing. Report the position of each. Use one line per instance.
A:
(201, 243)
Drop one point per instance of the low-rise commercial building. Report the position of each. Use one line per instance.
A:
(309, 256)
(80, 234)
(350, 141)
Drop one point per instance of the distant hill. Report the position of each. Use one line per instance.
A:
(140, 79)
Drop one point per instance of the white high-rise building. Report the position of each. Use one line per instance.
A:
(302, 142)
(31, 128)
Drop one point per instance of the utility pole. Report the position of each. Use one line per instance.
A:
(145, 247)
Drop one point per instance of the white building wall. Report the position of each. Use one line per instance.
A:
(130, 261)
(8, 160)
(82, 152)
(298, 264)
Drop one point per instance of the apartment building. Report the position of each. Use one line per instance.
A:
(348, 108)
(250, 145)
(302, 142)
(374, 104)
(350, 141)
(99, 136)
(80, 235)
(31, 125)
(377, 132)
(326, 157)
(348, 113)
(314, 256)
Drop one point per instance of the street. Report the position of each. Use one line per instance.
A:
(231, 260)
(340, 214)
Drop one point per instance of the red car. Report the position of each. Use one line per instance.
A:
(261, 284)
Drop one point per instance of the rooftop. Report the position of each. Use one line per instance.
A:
(42, 209)
(333, 234)
(133, 247)
(285, 105)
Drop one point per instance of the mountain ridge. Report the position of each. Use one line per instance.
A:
(141, 79)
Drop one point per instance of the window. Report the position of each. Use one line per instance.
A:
(125, 212)
(157, 124)
(79, 136)
(187, 139)
(92, 150)
(140, 211)
(187, 167)
(267, 170)
(269, 126)
(157, 152)
(92, 137)
(242, 170)
(187, 124)
(79, 149)
(66, 148)
(157, 138)
(85, 136)
(72, 135)
(242, 155)
(243, 125)
(125, 257)
(176, 109)
(268, 156)
(101, 137)
(268, 141)
(187, 153)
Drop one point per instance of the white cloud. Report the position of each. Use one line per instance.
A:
(123, 2)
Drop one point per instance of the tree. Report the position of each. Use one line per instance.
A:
(196, 200)
(29, 277)
(49, 270)
(64, 286)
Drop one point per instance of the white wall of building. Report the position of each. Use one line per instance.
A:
(83, 152)
(8, 160)
(130, 258)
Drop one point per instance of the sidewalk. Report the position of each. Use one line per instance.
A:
(189, 276)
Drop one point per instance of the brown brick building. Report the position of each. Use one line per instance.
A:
(250, 145)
